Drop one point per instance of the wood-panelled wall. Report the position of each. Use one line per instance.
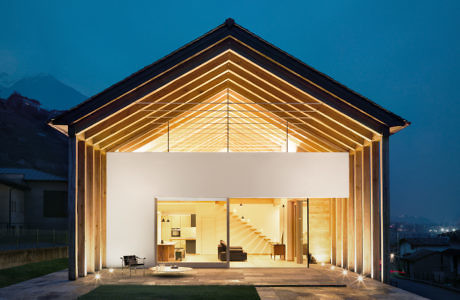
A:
(87, 208)
(357, 222)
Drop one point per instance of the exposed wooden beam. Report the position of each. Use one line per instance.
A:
(385, 205)
(367, 255)
(89, 203)
(351, 215)
(81, 207)
(359, 210)
(104, 209)
(376, 245)
(72, 207)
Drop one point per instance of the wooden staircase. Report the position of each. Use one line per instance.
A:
(251, 232)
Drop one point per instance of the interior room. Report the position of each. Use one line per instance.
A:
(263, 232)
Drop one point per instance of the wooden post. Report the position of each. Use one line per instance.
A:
(367, 255)
(338, 231)
(89, 249)
(385, 205)
(155, 235)
(81, 207)
(308, 233)
(72, 207)
(359, 211)
(351, 215)
(333, 234)
(299, 231)
(97, 210)
(290, 231)
(345, 233)
(376, 272)
(104, 209)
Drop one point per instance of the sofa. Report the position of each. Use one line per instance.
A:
(236, 252)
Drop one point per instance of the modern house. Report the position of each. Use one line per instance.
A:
(229, 152)
(31, 198)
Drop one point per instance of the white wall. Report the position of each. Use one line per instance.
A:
(134, 179)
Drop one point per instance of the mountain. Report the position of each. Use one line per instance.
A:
(28, 141)
(52, 93)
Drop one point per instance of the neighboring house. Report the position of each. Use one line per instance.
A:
(32, 199)
(431, 265)
(12, 190)
(411, 245)
(451, 263)
(422, 264)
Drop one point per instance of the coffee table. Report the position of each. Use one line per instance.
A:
(169, 271)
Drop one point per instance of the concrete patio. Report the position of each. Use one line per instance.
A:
(318, 282)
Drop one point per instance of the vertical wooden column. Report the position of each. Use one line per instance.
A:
(72, 207)
(97, 210)
(299, 231)
(89, 247)
(376, 272)
(81, 208)
(359, 211)
(104, 209)
(345, 233)
(290, 231)
(385, 205)
(367, 255)
(333, 234)
(338, 231)
(351, 215)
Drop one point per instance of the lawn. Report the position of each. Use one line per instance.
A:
(222, 292)
(25, 272)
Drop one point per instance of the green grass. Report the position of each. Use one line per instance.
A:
(222, 292)
(25, 272)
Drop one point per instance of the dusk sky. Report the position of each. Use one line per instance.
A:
(404, 55)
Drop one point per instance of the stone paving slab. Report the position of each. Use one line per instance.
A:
(292, 283)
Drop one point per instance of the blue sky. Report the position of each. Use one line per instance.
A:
(404, 55)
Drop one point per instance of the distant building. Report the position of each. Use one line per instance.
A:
(430, 265)
(422, 264)
(411, 245)
(19, 100)
(32, 199)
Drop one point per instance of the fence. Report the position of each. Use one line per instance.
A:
(21, 236)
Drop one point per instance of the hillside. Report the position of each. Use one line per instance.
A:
(27, 140)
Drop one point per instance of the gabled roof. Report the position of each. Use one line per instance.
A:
(232, 36)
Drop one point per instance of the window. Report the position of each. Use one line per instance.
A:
(55, 204)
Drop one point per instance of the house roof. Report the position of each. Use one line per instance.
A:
(419, 254)
(420, 242)
(31, 174)
(230, 29)
(17, 184)
(230, 64)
